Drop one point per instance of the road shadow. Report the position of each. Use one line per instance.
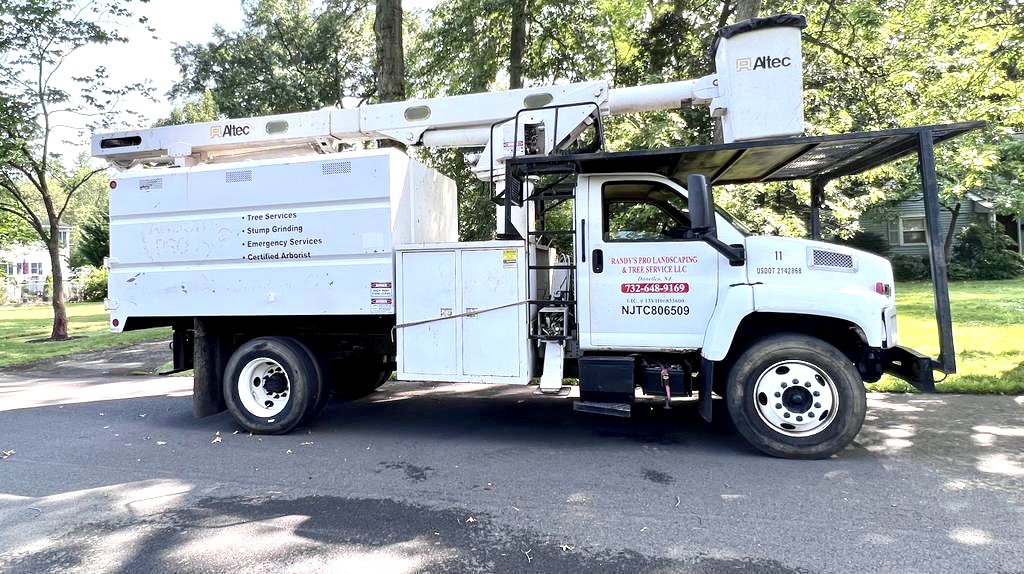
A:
(317, 533)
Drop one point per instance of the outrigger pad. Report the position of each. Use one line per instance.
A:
(911, 366)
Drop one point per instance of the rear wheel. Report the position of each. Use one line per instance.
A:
(272, 384)
(356, 378)
(795, 396)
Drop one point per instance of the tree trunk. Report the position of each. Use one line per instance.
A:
(387, 28)
(747, 9)
(60, 314)
(517, 45)
(947, 245)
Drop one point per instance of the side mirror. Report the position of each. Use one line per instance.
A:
(702, 205)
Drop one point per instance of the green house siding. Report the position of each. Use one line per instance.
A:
(970, 212)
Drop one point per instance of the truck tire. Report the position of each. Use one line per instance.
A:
(272, 384)
(795, 396)
(355, 380)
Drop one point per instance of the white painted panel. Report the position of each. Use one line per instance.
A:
(491, 341)
(301, 236)
(428, 292)
(490, 348)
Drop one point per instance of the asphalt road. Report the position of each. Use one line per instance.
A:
(110, 473)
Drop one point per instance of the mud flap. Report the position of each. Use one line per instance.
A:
(208, 365)
(706, 378)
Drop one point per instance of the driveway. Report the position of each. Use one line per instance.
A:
(110, 473)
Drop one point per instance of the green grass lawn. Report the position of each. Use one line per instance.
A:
(88, 323)
(988, 333)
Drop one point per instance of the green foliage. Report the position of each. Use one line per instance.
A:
(13, 230)
(48, 288)
(983, 252)
(867, 241)
(94, 284)
(199, 109)
(93, 243)
(289, 56)
(910, 267)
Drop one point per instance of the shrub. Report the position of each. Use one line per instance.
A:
(983, 252)
(910, 267)
(94, 286)
(48, 288)
(868, 241)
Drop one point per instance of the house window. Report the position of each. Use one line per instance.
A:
(8, 268)
(62, 237)
(37, 269)
(912, 231)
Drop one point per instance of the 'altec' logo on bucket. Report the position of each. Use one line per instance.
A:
(229, 131)
(762, 63)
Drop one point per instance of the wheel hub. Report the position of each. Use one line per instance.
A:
(796, 398)
(275, 383)
(263, 387)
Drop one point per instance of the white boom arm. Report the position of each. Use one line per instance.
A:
(459, 121)
(757, 92)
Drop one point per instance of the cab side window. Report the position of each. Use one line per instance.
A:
(643, 211)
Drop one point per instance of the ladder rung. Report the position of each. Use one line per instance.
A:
(554, 232)
(553, 302)
(551, 337)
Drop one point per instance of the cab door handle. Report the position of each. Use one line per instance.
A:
(598, 258)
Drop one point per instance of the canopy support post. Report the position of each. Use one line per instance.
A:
(817, 198)
(936, 252)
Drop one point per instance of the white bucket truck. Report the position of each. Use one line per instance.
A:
(291, 270)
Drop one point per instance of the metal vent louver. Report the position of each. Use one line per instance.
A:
(151, 184)
(832, 259)
(336, 167)
(238, 176)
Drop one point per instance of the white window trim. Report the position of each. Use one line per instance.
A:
(910, 216)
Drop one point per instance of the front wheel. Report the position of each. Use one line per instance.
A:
(795, 396)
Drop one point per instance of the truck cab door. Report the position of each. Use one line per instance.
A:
(644, 281)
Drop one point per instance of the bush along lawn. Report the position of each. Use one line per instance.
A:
(23, 331)
(988, 333)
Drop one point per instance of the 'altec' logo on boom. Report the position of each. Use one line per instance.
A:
(228, 131)
(762, 63)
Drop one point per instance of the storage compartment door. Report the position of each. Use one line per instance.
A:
(428, 292)
(492, 342)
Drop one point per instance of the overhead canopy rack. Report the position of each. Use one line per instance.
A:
(819, 159)
(786, 159)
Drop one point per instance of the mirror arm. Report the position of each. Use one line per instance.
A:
(734, 253)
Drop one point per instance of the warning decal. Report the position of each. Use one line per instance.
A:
(382, 297)
(509, 257)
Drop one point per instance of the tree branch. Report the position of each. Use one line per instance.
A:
(75, 188)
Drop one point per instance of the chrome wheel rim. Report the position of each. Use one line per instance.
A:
(796, 398)
(264, 387)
